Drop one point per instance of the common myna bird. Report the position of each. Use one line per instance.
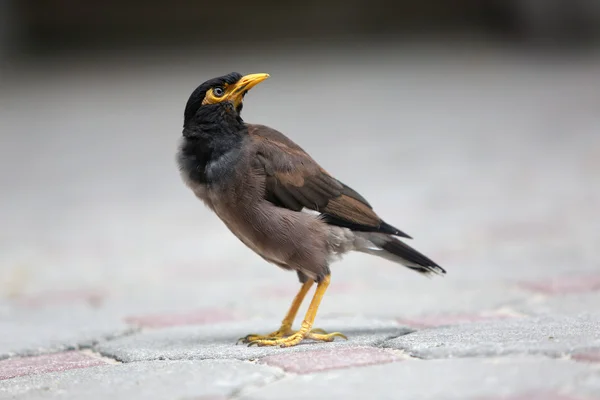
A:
(278, 201)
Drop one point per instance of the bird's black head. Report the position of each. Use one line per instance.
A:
(227, 90)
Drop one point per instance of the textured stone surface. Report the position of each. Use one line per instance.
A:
(428, 321)
(46, 363)
(31, 332)
(144, 380)
(590, 385)
(435, 379)
(218, 341)
(336, 358)
(540, 335)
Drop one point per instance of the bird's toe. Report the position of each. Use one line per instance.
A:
(325, 337)
(253, 337)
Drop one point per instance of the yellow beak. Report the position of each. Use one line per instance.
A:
(239, 89)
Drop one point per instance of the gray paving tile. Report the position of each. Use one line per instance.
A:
(433, 379)
(553, 336)
(217, 341)
(144, 380)
(30, 332)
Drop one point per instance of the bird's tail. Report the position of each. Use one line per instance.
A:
(390, 248)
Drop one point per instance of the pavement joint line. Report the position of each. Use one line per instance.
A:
(76, 347)
(381, 343)
(93, 348)
(546, 354)
(538, 297)
(242, 391)
(408, 354)
(401, 353)
(114, 336)
(510, 312)
(549, 355)
(87, 349)
(94, 354)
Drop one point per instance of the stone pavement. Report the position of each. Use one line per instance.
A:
(116, 283)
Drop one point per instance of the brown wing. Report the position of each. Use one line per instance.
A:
(295, 181)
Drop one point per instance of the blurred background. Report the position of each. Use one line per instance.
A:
(473, 126)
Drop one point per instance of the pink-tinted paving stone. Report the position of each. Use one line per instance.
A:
(564, 285)
(588, 356)
(14, 367)
(93, 297)
(429, 321)
(196, 317)
(322, 360)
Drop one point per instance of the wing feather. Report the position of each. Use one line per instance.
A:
(295, 181)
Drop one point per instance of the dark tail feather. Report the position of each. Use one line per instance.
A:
(394, 250)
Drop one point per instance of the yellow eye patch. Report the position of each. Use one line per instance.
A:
(212, 98)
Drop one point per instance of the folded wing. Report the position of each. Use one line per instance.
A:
(295, 181)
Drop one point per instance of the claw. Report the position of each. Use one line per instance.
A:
(278, 334)
(296, 338)
(327, 337)
(245, 339)
(281, 333)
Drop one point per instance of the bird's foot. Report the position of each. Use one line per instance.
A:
(278, 334)
(296, 337)
(281, 333)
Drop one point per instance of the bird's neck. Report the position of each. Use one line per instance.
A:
(209, 139)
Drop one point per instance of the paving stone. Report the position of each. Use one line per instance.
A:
(46, 363)
(218, 341)
(564, 284)
(429, 321)
(336, 358)
(36, 331)
(539, 335)
(590, 385)
(195, 317)
(434, 379)
(588, 356)
(144, 380)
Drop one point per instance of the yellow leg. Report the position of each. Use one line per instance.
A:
(305, 330)
(288, 321)
(286, 324)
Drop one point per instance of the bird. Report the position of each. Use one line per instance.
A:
(279, 202)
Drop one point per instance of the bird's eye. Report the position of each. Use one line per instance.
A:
(218, 91)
